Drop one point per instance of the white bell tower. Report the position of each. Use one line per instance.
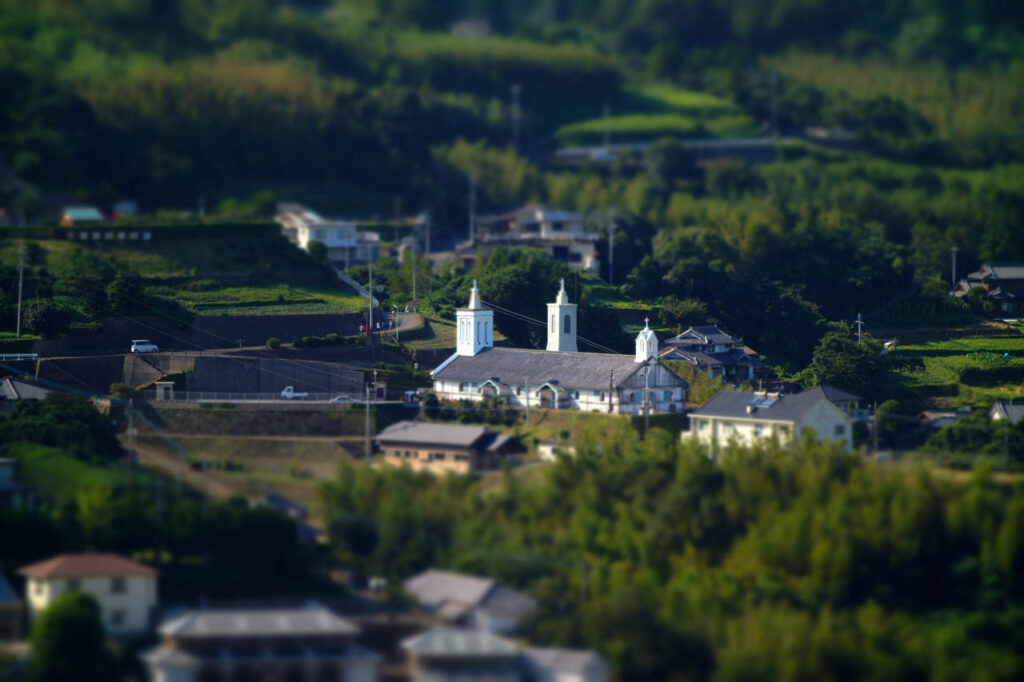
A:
(562, 323)
(474, 326)
(646, 343)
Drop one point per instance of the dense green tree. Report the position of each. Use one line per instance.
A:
(839, 360)
(667, 160)
(67, 642)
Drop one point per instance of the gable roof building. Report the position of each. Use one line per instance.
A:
(80, 215)
(560, 233)
(447, 447)
(444, 654)
(559, 377)
(310, 643)
(746, 417)
(470, 601)
(714, 351)
(16, 389)
(124, 589)
(1003, 282)
(1008, 411)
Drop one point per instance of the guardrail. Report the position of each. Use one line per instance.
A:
(283, 309)
(211, 396)
(18, 356)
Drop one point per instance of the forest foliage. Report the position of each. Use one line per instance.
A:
(780, 563)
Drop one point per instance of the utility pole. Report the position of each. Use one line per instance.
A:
(611, 389)
(21, 284)
(131, 434)
(527, 404)
(516, 91)
(647, 399)
(860, 329)
(367, 422)
(874, 423)
(472, 207)
(369, 300)
(1006, 441)
(415, 265)
(611, 246)
(775, 108)
(607, 138)
(953, 250)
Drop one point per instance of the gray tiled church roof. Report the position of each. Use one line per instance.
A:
(516, 366)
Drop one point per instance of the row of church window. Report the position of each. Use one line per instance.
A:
(566, 324)
(465, 329)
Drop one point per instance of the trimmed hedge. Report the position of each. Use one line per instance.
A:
(159, 231)
(990, 376)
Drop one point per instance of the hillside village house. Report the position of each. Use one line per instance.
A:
(125, 589)
(294, 644)
(715, 352)
(560, 233)
(745, 418)
(1009, 411)
(1002, 282)
(346, 244)
(470, 601)
(559, 377)
(447, 447)
(444, 654)
(80, 215)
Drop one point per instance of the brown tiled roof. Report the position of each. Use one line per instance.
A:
(86, 565)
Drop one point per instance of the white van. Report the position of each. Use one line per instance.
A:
(143, 346)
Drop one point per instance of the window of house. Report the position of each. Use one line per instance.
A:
(840, 429)
(117, 585)
(519, 390)
(668, 395)
(37, 587)
(117, 617)
(461, 458)
(318, 233)
(758, 429)
(462, 387)
(576, 395)
(702, 425)
(575, 257)
(408, 454)
(602, 395)
(557, 225)
(74, 584)
(727, 427)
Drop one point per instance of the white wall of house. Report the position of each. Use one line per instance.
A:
(595, 671)
(356, 668)
(126, 602)
(826, 420)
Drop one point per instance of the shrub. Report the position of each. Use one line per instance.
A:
(273, 343)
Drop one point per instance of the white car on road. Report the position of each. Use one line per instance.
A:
(143, 346)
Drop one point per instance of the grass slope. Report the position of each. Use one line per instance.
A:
(60, 477)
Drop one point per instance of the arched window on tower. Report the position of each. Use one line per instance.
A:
(553, 323)
(567, 326)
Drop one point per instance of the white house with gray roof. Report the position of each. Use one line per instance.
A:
(711, 350)
(470, 601)
(1013, 413)
(745, 418)
(298, 644)
(559, 377)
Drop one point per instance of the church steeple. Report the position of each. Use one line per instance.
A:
(474, 326)
(646, 343)
(562, 322)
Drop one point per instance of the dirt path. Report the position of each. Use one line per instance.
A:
(155, 457)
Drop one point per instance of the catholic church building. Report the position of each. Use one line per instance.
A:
(559, 377)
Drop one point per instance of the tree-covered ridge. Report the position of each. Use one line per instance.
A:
(772, 563)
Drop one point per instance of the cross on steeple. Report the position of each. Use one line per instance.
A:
(647, 323)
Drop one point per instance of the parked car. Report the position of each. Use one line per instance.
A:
(289, 393)
(144, 346)
(343, 400)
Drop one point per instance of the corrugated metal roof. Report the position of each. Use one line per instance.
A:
(435, 434)
(561, 661)
(444, 642)
(313, 620)
(703, 335)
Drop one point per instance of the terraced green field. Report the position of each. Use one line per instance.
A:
(657, 110)
(962, 371)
